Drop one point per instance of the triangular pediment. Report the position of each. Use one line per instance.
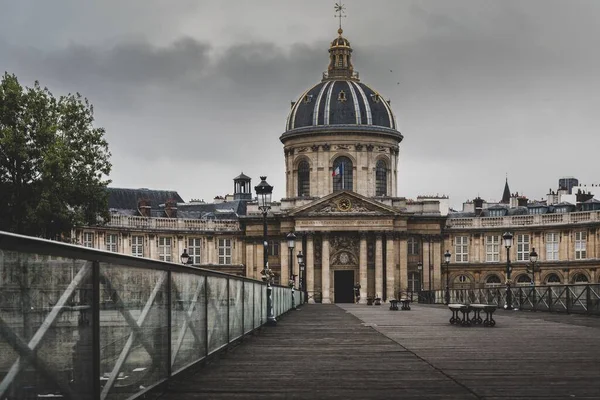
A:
(342, 204)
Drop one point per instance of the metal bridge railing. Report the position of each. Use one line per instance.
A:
(80, 323)
(576, 298)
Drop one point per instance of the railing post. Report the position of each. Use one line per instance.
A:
(533, 294)
(228, 318)
(520, 298)
(169, 323)
(588, 299)
(206, 346)
(96, 330)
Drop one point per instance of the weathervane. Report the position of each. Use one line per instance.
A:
(340, 10)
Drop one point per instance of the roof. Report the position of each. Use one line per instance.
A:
(225, 210)
(341, 102)
(127, 199)
(506, 193)
(242, 176)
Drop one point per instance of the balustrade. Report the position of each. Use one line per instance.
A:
(127, 221)
(523, 220)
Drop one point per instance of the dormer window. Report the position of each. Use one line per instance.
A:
(375, 97)
(342, 96)
(497, 213)
(308, 98)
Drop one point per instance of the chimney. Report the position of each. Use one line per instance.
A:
(144, 207)
(171, 208)
(478, 202)
(522, 201)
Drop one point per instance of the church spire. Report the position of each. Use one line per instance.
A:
(340, 53)
(506, 194)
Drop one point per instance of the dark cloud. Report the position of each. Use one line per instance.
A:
(480, 89)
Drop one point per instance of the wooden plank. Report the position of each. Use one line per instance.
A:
(368, 352)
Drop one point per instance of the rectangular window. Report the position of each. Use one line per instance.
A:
(88, 239)
(523, 247)
(580, 245)
(492, 248)
(194, 245)
(111, 242)
(552, 246)
(224, 251)
(413, 246)
(461, 249)
(137, 246)
(274, 248)
(164, 248)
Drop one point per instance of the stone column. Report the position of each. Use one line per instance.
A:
(325, 271)
(249, 259)
(390, 268)
(427, 262)
(260, 259)
(151, 249)
(126, 244)
(436, 254)
(378, 266)
(284, 261)
(362, 264)
(403, 250)
(310, 268)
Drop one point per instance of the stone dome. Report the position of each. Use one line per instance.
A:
(341, 102)
(340, 99)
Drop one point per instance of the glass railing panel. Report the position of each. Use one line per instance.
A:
(258, 301)
(188, 319)
(45, 313)
(217, 313)
(236, 308)
(248, 306)
(133, 329)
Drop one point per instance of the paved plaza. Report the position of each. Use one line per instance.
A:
(367, 352)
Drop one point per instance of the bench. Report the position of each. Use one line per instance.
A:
(377, 301)
(405, 304)
(488, 309)
(394, 305)
(464, 309)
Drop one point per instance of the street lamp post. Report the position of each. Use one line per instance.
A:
(291, 239)
(185, 257)
(447, 257)
(508, 238)
(533, 257)
(263, 194)
(420, 268)
(300, 257)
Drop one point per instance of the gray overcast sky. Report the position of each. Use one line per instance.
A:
(193, 92)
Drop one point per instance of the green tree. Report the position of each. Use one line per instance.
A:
(54, 163)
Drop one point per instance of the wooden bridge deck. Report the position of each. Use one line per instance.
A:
(368, 352)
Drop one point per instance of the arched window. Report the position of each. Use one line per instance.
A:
(461, 282)
(524, 280)
(493, 281)
(580, 278)
(381, 179)
(303, 179)
(342, 174)
(552, 279)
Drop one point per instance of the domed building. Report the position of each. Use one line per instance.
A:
(341, 135)
(341, 146)
(343, 213)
